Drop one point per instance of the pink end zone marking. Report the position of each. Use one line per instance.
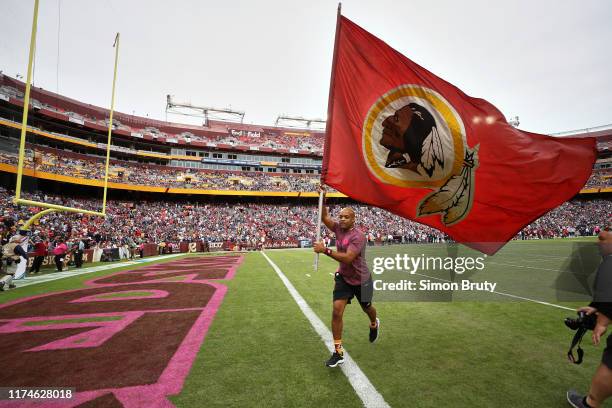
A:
(91, 338)
(101, 330)
(189, 266)
(153, 269)
(172, 378)
(154, 294)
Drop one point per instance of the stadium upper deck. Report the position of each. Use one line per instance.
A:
(223, 156)
(217, 134)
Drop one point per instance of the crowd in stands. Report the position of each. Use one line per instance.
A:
(600, 178)
(163, 176)
(173, 177)
(250, 223)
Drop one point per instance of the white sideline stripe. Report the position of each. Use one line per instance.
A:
(358, 380)
(507, 294)
(52, 276)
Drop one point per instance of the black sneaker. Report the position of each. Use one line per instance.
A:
(334, 360)
(374, 331)
(11, 286)
(576, 400)
(2, 286)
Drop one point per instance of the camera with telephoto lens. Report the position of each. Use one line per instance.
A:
(584, 321)
(581, 325)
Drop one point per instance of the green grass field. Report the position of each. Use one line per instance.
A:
(490, 351)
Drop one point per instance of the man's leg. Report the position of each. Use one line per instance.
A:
(5, 281)
(337, 323)
(36, 265)
(39, 261)
(601, 386)
(338, 356)
(370, 310)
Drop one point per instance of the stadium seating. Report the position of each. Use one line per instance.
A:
(155, 221)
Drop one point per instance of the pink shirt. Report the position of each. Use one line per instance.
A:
(354, 240)
(60, 249)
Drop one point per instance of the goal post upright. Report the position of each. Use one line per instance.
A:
(26, 103)
(110, 125)
(47, 207)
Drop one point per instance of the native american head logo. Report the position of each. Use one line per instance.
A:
(412, 137)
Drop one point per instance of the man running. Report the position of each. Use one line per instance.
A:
(352, 279)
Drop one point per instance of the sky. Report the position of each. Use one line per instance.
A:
(548, 62)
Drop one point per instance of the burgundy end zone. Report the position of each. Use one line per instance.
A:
(210, 268)
(129, 345)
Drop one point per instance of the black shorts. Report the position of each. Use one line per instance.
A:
(363, 292)
(606, 358)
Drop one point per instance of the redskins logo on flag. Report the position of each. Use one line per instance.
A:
(412, 137)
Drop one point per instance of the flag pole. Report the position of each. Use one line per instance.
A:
(330, 100)
(330, 110)
(321, 192)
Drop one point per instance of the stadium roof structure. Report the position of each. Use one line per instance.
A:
(298, 122)
(602, 133)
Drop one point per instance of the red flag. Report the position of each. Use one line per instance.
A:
(400, 138)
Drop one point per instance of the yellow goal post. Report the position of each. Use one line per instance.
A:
(26, 104)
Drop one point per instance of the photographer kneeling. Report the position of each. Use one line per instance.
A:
(14, 260)
(601, 384)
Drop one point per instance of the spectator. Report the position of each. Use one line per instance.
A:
(40, 251)
(60, 251)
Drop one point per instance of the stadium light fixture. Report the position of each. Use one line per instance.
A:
(514, 121)
(299, 122)
(205, 112)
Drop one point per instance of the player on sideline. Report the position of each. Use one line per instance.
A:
(352, 279)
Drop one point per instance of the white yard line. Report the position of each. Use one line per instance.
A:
(358, 380)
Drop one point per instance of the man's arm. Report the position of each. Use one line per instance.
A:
(20, 251)
(600, 328)
(604, 312)
(354, 249)
(327, 220)
(345, 257)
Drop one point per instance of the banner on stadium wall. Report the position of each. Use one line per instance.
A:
(240, 133)
(270, 244)
(198, 246)
(76, 120)
(305, 243)
(304, 134)
(149, 250)
(88, 257)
